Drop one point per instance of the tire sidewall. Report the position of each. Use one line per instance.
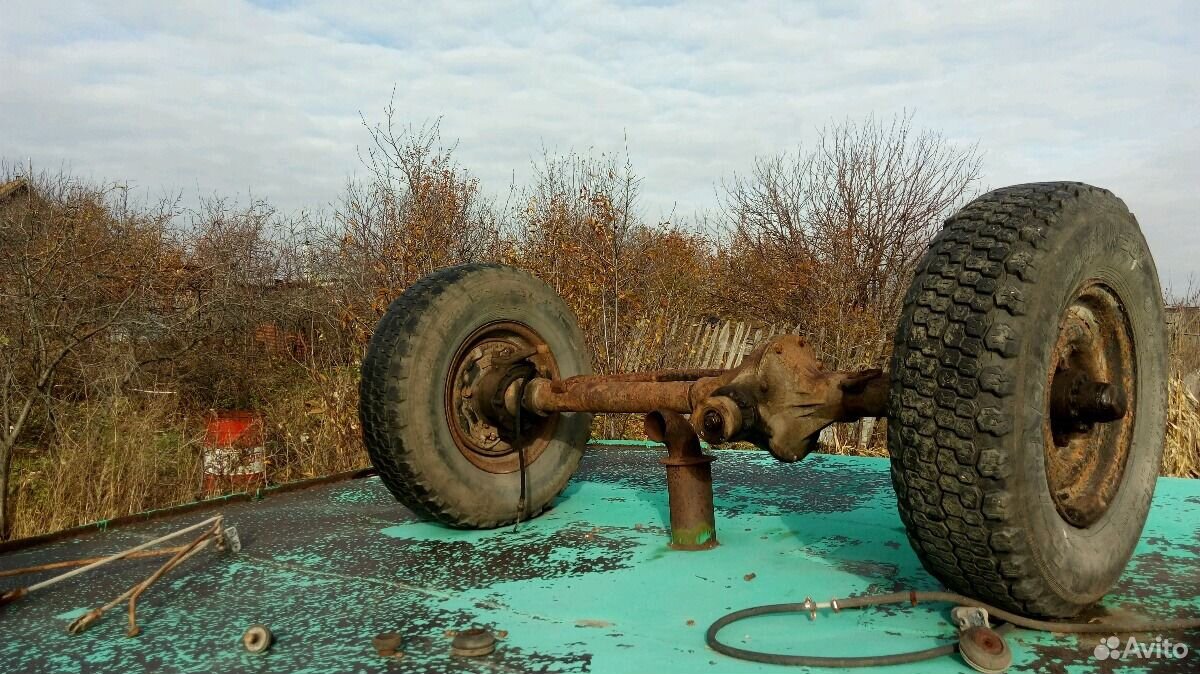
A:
(1096, 239)
(483, 296)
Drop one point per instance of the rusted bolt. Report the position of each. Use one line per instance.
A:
(257, 639)
(713, 423)
(720, 419)
(473, 643)
(387, 644)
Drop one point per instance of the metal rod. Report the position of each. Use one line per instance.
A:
(599, 394)
(86, 620)
(86, 560)
(120, 555)
(195, 547)
(692, 374)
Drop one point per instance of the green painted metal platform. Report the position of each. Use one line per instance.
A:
(589, 587)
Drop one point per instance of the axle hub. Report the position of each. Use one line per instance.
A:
(485, 377)
(1092, 388)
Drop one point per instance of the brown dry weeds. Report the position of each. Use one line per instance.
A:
(1182, 455)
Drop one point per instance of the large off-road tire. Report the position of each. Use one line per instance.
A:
(432, 451)
(1003, 500)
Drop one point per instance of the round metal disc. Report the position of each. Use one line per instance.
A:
(1085, 462)
(984, 650)
(474, 642)
(257, 639)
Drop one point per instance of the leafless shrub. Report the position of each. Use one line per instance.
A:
(78, 269)
(829, 237)
(580, 231)
(417, 211)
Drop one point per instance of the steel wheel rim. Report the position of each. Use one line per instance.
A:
(469, 426)
(1086, 466)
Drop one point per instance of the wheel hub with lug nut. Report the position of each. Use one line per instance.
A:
(1089, 415)
(483, 389)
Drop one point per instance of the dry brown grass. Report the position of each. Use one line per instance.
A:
(121, 456)
(312, 429)
(117, 456)
(843, 439)
(1182, 456)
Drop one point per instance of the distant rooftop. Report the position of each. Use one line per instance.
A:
(12, 188)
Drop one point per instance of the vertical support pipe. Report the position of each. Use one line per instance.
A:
(689, 481)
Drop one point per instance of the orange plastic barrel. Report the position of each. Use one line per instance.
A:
(234, 456)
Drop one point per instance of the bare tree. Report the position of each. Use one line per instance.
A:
(829, 237)
(417, 211)
(579, 231)
(77, 268)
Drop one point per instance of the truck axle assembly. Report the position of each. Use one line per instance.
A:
(1024, 397)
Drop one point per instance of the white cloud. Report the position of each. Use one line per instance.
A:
(231, 97)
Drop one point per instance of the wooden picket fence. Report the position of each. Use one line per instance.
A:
(696, 343)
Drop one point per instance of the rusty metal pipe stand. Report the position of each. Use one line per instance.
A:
(689, 481)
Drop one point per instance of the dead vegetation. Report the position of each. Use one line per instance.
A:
(124, 326)
(1182, 456)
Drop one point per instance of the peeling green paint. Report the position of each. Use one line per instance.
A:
(693, 537)
(591, 586)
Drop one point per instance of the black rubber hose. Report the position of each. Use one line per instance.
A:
(1011, 620)
(810, 660)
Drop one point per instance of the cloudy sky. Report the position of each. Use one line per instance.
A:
(265, 98)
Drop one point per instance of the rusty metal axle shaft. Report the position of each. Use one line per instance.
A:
(779, 398)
